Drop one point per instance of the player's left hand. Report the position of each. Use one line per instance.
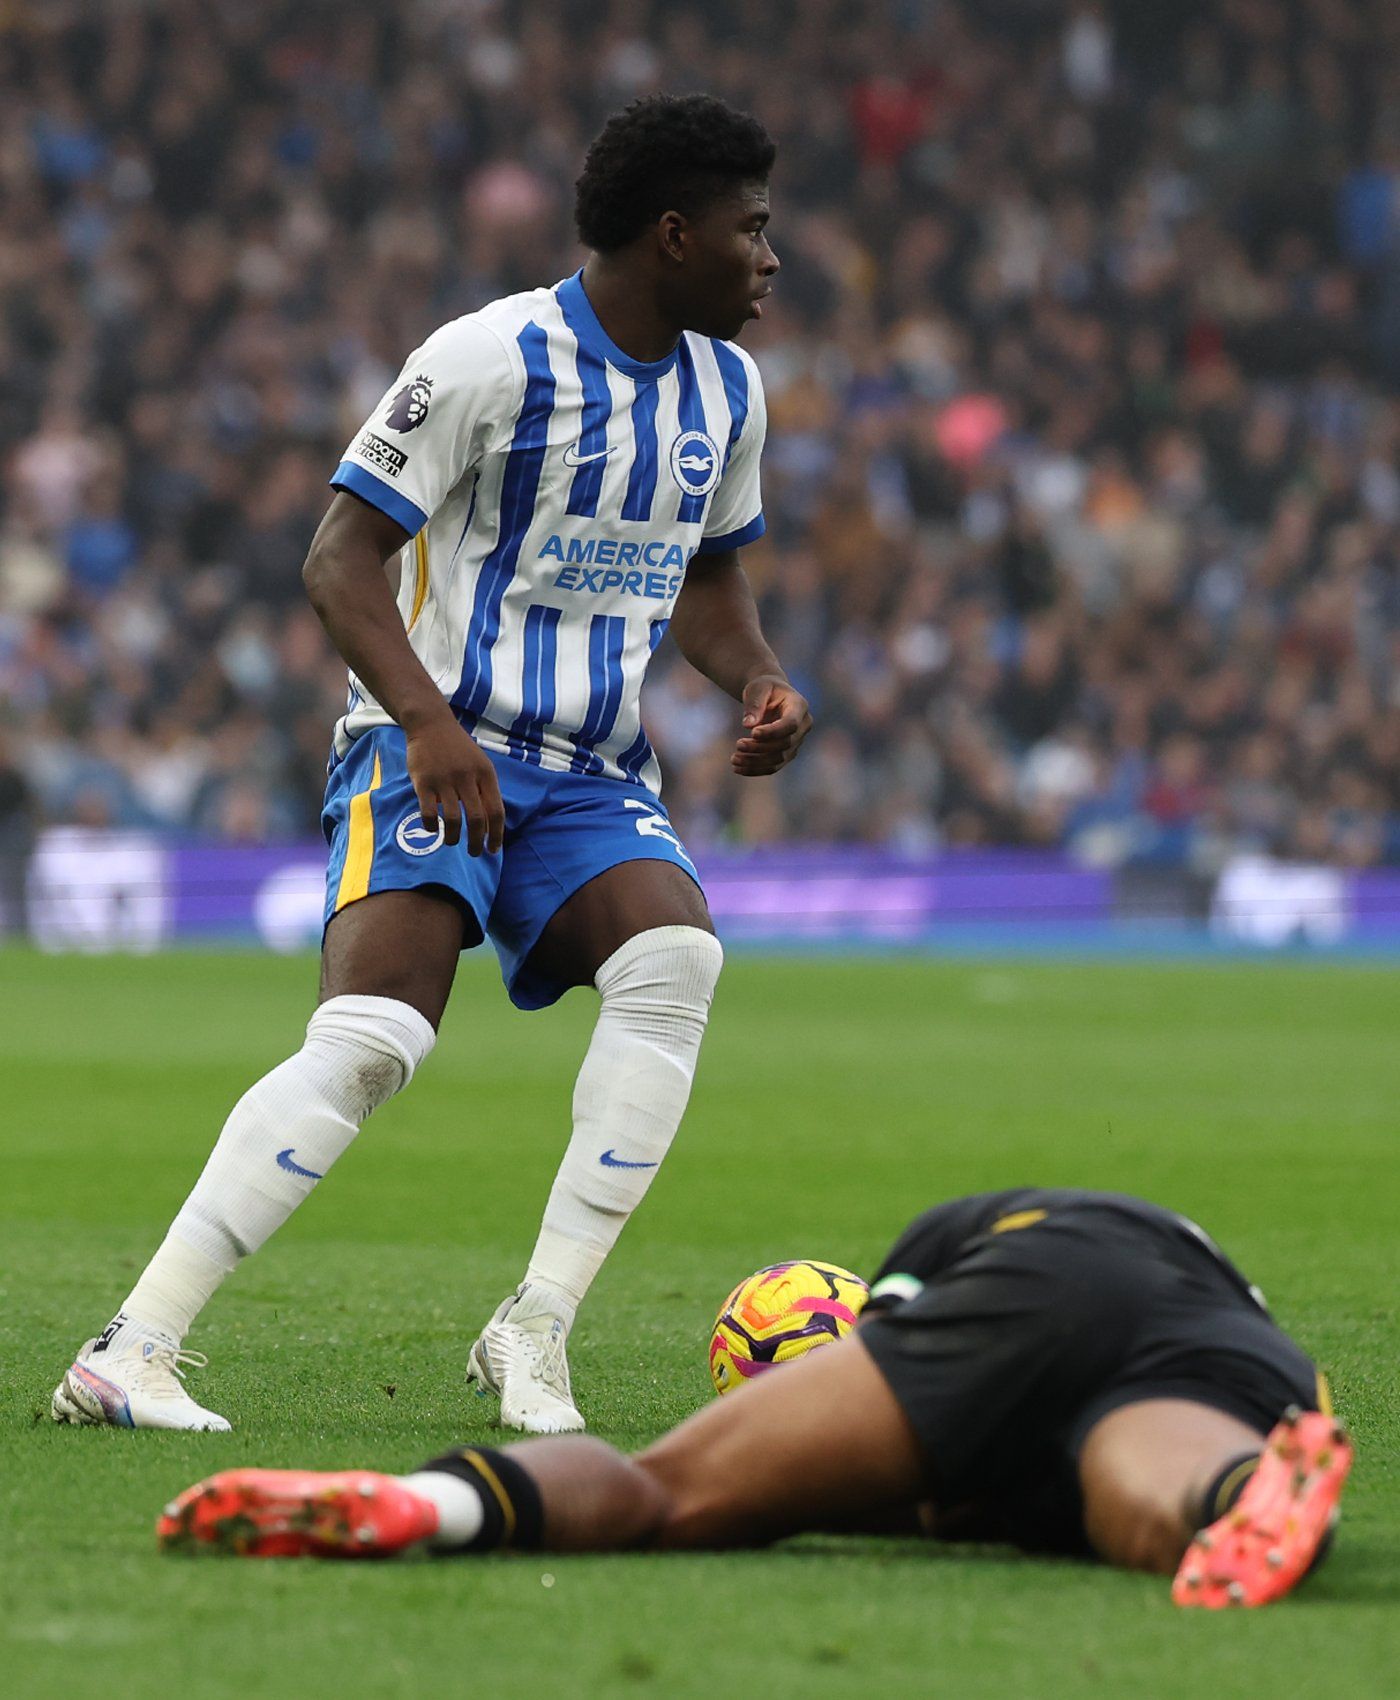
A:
(776, 720)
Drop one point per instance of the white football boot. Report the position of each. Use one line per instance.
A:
(520, 1356)
(133, 1381)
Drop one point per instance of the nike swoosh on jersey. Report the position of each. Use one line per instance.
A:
(573, 458)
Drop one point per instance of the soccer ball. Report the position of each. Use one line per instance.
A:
(779, 1314)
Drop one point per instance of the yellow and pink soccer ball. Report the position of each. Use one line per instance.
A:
(780, 1314)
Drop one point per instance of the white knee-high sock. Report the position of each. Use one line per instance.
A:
(279, 1140)
(631, 1094)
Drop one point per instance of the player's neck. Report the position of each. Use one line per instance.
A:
(629, 314)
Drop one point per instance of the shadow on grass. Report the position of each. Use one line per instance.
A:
(1360, 1572)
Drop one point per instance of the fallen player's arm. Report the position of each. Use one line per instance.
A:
(716, 628)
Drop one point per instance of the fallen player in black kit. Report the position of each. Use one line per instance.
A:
(1071, 1372)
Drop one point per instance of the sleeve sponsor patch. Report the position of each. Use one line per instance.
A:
(383, 455)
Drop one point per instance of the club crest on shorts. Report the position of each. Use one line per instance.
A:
(415, 839)
(695, 463)
(409, 407)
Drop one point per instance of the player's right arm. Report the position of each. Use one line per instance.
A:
(348, 586)
(450, 405)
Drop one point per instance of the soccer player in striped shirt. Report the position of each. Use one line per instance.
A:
(562, 477)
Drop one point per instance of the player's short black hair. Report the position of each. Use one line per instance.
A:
(665, 153)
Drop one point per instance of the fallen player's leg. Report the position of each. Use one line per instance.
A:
(824, 1444)
(769, 1462)
(1157, 1472)
(1145, 1470)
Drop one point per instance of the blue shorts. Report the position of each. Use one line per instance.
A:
(562, 830)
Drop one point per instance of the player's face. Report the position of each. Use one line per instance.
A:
(729, 264)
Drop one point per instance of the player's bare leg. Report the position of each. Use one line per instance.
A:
(769, 1461)
(603, 915)
(1173, 1486)
(641, 933)
(395, 944)
(822, 1444)
(387, 969)
(1144, 1470)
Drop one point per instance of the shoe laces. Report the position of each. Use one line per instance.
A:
(162, 1369)
(543, 1351)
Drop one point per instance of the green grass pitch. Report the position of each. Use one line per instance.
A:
(836, 1097)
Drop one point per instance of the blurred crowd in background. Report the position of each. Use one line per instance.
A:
(1083, 469)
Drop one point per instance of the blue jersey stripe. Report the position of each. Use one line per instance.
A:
(597, 410)
(537, 695)
(607, 638)
(639, 752)
(641, 481)
(519, 485)
(691, 412)
(736, 392)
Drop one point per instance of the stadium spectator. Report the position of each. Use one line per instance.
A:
(1082, 479)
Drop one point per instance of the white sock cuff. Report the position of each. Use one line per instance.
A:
(687, 958)
(458, 1505)
(386, 1025)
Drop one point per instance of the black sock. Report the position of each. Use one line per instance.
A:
(513, 1513)
(1226, 1486)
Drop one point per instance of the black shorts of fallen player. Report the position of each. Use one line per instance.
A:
(1004, 1360)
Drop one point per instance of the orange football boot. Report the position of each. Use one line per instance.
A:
(297, 1514)
(1274, 1533)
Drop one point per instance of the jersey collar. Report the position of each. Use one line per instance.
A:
(583, 322)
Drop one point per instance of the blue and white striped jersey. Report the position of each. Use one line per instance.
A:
(555, 490)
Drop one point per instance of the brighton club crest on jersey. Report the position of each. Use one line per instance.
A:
(409, 406)
(695, 463)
